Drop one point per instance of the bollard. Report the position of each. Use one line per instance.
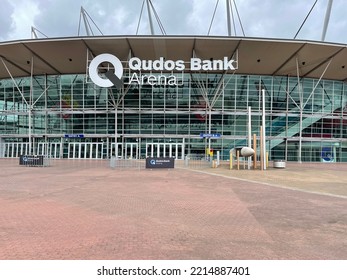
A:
(231, 161)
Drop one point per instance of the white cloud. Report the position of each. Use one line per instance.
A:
(5, 20)
(23, 17)
(267, 18)
(200, 17)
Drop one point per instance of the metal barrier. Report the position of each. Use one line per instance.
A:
(192, 162)
(197, 162)
(279, 163)
(34, 160)
(118, 163)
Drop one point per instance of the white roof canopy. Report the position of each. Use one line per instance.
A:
(255, 56)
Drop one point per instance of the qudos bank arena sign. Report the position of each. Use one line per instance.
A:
(138, 66)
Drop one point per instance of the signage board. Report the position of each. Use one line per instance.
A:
(210, 135)
(31, 160)
(74, 135)
(140, 70)
(160, 162)
(327, 154)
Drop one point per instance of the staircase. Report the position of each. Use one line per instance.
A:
(280, 131)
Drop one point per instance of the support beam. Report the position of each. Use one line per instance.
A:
(89, 31)
(263, 129)
(261, 149)
(301, 96)
(30, 107)
(86, 25)
(13, 80)
(14, 64)
(34, 54)
(300, 138)
(33, 33)
(249, 134)
(323, 62)
(228, 17)
(326, 20)
(255, 151)
(150, 18)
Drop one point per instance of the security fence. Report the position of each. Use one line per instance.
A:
(34, 161)
(190, 162)
(197, 162)
(119, 163)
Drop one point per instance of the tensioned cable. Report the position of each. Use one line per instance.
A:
(138, 24)
(232, 16)
(36, 30)
(85, 13)
(93, 22)
(90, 27)
(238, 16)
(214, 13)
(79, 25)
(158, 19)
(305, 19)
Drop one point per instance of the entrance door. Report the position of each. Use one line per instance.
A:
(54, 150)
(117, 150)
(15, 149)
(72, 151)
(154, 150)
(85, 150)
(177, 151)
(131, 151)
(165, 150)
(41, 148)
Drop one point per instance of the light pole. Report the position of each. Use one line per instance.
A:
(249, 134)
(263, 125)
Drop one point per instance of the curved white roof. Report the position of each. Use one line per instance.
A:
(255, 56)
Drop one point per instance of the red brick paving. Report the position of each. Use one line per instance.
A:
(79, 210)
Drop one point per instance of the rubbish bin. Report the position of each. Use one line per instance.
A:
(279, 163)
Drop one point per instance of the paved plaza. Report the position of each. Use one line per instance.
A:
(87, 210)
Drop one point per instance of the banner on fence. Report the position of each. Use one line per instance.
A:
(160, 162)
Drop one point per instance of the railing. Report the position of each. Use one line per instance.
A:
(118, 163)
(197, 162)
(34, 161)
(191, 162)
(279, 130)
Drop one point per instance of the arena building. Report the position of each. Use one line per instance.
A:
(133, 97)
(172, 96)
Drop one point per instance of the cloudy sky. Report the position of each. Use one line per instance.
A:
(266, 18)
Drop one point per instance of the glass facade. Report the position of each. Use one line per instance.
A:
(67, 116)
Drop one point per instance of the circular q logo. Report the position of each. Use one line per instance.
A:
(113, 78)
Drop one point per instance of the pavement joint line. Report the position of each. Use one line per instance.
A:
(272, 185)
